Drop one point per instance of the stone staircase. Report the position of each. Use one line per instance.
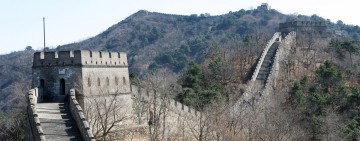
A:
(267, 63)
(57, 123)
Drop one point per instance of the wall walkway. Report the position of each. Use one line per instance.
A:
(266, 69)
(57, 121)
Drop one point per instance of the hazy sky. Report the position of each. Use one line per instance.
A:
(69, 21)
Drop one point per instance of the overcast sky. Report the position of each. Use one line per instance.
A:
(69, 21)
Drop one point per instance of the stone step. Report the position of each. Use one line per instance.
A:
(264, 72)
(267, 63)
(262, 75)
(61, 138)
(265, 68)
(57, 122)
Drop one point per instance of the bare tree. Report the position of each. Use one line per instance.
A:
(12, 125)
(160, 88)
(106, 114)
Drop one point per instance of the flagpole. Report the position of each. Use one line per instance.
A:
(44, 31)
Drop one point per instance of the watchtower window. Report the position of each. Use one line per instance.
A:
(116, 80)
(118, 54)
(90, 53)
(72, 62)
(100, 54)
(89, 82)
(42, 83)
(98, 81)
(124, 80)
(63, 63)
(42, 63)
(107, 81)
(109, 54)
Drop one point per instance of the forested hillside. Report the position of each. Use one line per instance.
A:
(154, 40)
(219, 53)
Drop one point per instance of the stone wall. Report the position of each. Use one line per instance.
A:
(48, 80)
(79, 57)
(35, 131)
(302, 26)
(61, 58)
(177, 120)
(105, 80)
(78, 115)
(248, 94)
(253, 92)
(103, 58)
(275, 37)
(281, 53)
(175, 106)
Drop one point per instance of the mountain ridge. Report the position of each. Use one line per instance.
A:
(166, 43)
(144, 35)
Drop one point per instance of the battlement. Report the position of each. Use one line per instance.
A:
(302, 27)
(79, 58)
(302, 24)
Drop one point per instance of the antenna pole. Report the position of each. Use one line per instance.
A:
(44, 31)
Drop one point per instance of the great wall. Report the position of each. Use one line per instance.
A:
(66, 113)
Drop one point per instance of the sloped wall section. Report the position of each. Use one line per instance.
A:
(281, 53)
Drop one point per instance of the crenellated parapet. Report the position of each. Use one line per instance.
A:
(35, 132)
(152, 96)
(302, 27)
(96, 58)
(79, 116)
(80, 58)
(302, 24)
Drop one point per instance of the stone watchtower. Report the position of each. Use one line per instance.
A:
(303, 27)
(89, 72)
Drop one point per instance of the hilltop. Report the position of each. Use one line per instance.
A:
(145, 35)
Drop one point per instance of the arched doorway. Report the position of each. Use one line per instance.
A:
(62, 86)
(45, 96)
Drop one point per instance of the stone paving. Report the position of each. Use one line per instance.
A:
(266, 65)
(57, 123)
